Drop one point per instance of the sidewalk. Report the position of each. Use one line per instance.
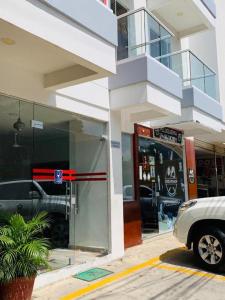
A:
(151, 248)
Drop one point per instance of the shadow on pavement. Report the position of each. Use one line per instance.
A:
(183, 257)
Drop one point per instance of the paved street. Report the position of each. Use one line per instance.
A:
(159, 269)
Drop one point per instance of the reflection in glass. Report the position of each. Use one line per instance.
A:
(192, 71)
(140, 33)
(66, 141)
(128, 171)
(161, 184)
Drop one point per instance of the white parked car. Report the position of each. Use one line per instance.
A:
(201, 226)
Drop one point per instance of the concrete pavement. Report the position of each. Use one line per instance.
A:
(160, 268)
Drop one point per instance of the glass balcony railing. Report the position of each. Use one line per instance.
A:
(192, 71)
(140, 33)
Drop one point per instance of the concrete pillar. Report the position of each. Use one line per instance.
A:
(116, 192)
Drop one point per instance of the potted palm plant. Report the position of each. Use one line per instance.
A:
(23, 251)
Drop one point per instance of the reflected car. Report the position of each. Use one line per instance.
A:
(153, 207)
(27, 197)
(148, 202)
(146, 193)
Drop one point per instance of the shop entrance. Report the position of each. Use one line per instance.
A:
(161, 184)
(210, 169)
(35, 137)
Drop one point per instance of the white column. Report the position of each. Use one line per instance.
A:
(116, 193)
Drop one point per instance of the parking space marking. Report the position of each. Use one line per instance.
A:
(154, 262)
(189, 271)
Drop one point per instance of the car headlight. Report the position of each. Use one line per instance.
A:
(187, 205)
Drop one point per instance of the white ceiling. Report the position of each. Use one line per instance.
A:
(30, 52)
(181, 16)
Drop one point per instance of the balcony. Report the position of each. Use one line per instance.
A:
(176, 14)
(192, 71)
(139, 33)
(59, 35)
(144, 88)
(201, 110)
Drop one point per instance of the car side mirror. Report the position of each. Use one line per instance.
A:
(34, 195)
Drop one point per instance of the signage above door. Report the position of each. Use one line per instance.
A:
(169, 134)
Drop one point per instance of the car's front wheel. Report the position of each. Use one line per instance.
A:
(209, 248)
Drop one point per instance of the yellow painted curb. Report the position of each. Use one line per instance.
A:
(110, 279)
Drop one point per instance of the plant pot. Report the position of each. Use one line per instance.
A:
(17, 289)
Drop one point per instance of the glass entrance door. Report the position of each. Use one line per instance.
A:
(51, 152)
(43, 138)
(161, 184)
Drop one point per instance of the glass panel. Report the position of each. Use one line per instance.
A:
(165, 46)
(77, 210)
(210, 82)
(197, 72)
(206, 173)
(91, 222)
(140, 33)
(70, 142)
(147, 185)
(155, 50)
(161, 178)
(128, 168)
(117, 8)
(164, 32)
(122, 49)
(15, 156)
(179, 63)
(191, 70)
(152, 33)
(220, 164)
(154, 28)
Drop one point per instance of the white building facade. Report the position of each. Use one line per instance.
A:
(123, 93)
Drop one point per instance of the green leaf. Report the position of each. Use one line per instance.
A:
(22, 249)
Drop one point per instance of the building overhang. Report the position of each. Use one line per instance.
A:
(194, 123)
(185, 17)
(145, 89)
(65, 48)
(197, 99)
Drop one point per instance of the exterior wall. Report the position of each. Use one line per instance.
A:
(203, 44)
(78, 11)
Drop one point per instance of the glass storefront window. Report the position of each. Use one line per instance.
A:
(161, 184)
(61, 141)
(210, 168)
(128, 167)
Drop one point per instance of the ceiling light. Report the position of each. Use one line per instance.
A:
(8, 41)
(180, 14)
